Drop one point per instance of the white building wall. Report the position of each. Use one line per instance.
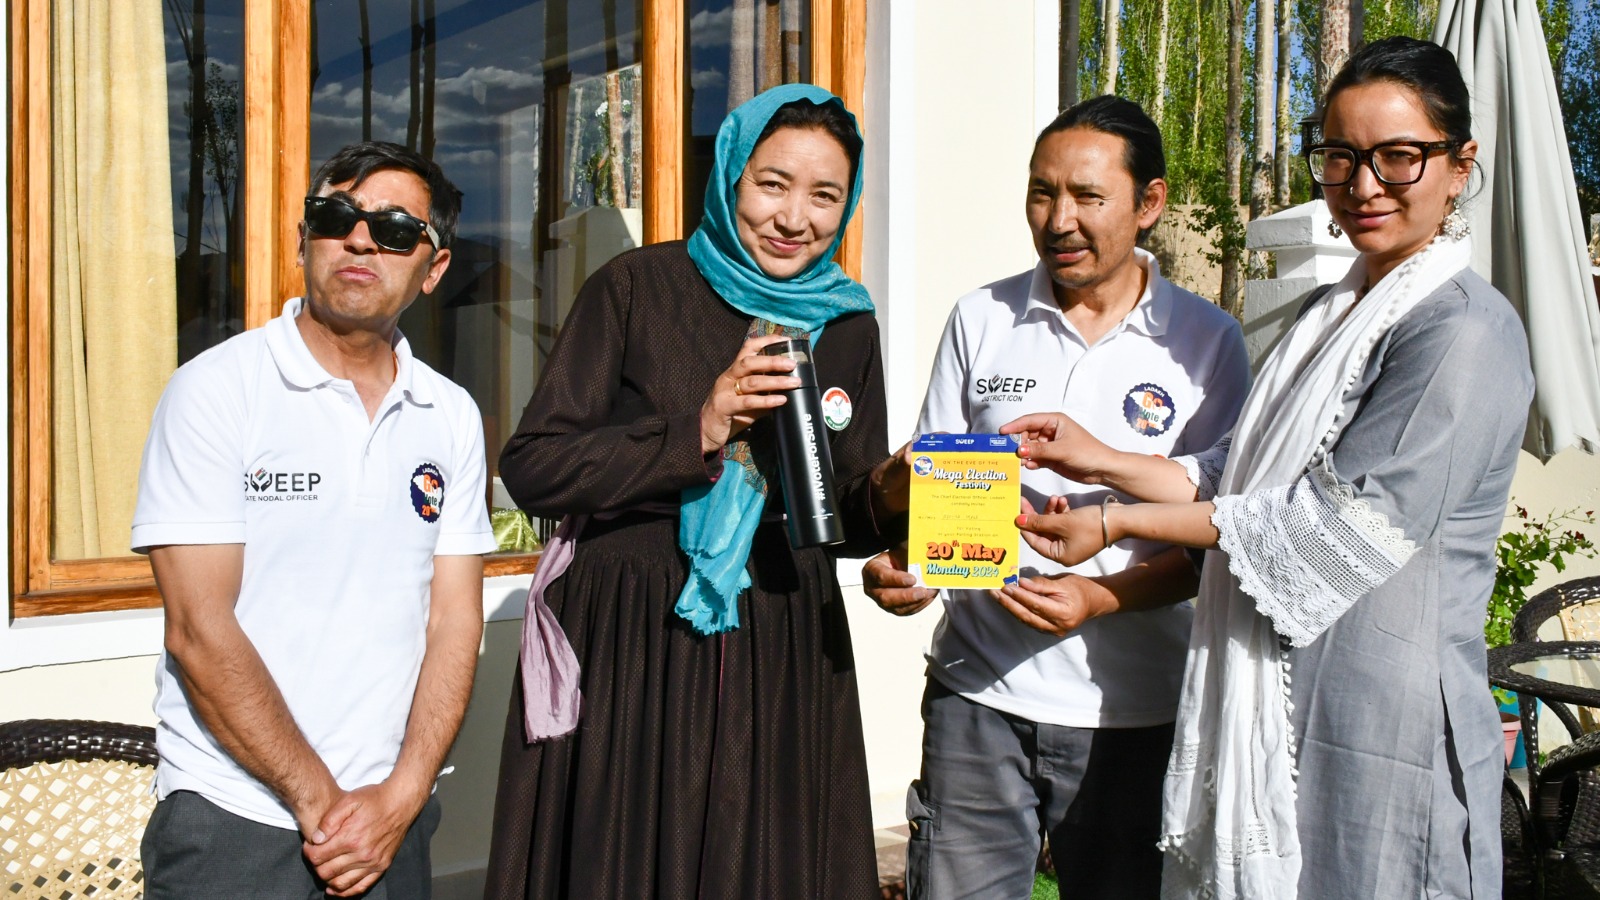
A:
(955, 93)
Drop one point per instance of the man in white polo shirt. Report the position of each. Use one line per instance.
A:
(1045, 713)
(313, 502)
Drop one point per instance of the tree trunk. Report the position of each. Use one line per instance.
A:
(1281, 177)
(1333, 42)
(769, 19)
(1232, 254)
(614, 124)
(615, 186)
(430, 66)
(555, 180)
(1199, 80)
(1261, 165)
(366, 73)
(1109, 57)
(1265, 121)
(1358, 19)
(1158, 104)
(193, 275)
(235, 244)
(742, 54)
(414, 69)
(793, 34)
(1071, 19)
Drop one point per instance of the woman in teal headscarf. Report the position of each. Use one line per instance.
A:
(719, 750)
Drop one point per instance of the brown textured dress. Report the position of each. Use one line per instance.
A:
(729, 766)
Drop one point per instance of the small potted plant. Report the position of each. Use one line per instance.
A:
(1520, 556)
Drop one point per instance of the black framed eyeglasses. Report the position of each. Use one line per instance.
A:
(1393, 162)
(390, 229)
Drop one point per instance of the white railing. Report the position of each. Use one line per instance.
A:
(1307, 254)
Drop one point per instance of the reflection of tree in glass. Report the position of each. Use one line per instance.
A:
(222, 147)
(190, 21)
(207, 173)
(424, 80)
(366, 71)
(603, 132)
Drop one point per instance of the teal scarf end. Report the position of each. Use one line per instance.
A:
(707, 611)
(716, 526)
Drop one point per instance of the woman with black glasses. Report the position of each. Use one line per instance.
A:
(1335, 738)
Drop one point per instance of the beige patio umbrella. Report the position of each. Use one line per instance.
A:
(1525, 222)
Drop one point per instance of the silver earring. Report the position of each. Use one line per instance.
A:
(1455, 226)
(1334, 230)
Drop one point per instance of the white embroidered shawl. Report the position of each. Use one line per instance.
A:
(1229, 824)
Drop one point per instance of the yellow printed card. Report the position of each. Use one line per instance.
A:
(966, 491)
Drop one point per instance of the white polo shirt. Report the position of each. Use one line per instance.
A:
(341, 517)
(1167, 380)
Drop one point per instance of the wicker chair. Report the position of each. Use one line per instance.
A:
(1561, 830)
(74, 799)
(1519, 874)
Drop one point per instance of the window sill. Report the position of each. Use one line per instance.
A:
(90, 635)
(142, 594)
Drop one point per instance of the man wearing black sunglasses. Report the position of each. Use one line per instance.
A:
(323, 612)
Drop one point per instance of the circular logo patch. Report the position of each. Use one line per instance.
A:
(836, 408)
(922, 465)
(1149, 410)
(427, 492)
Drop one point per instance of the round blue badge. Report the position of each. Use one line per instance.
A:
(1149, 409)
(922, 465)
(427, 492)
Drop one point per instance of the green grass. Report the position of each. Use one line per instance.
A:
(1044, 887)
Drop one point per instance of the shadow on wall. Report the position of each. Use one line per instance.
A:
(461, 845)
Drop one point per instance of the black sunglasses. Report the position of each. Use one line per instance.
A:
(390, 229)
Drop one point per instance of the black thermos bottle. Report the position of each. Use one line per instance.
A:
(812, 505)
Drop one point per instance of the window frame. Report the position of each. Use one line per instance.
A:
(277, 100)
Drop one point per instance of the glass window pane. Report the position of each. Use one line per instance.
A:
(205, 121)
(145, 222)
(737, 49)
(533, 109)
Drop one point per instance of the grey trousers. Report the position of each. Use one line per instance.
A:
(994, 784)
(193, 849)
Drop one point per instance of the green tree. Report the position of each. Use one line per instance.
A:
(1282, 173)
(1579, 81)
(1071, 11)
(1172, 56)
(1413, 18)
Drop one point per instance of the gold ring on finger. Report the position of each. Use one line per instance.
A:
(737, 390)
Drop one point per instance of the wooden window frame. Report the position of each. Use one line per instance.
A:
(276, 163)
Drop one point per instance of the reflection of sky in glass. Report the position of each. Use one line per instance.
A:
(488, 88)
(710, 33)
(517, 111)
(223, 30)
(210, 289)
(710, 62)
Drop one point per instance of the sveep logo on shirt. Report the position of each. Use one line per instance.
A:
(262, 485)
(1004, 388)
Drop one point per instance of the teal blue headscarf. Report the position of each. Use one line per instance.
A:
(718, 521)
